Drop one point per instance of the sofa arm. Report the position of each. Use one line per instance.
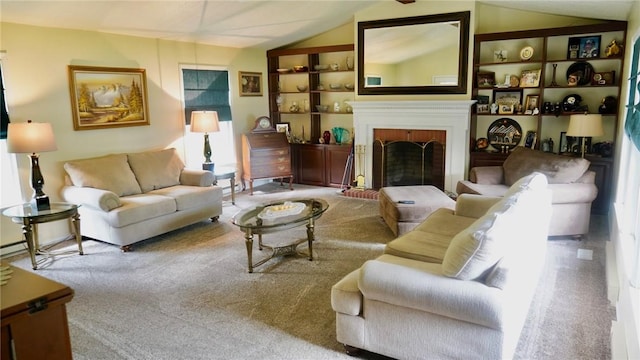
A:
(422, 286)
(196, 177)
(487, 175)
(104, 200)
(473, 205)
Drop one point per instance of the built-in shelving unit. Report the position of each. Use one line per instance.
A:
(553, 55)
(299, 81)
(499, 54)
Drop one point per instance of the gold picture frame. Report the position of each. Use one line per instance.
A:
(106, 97)
(250, 83)
(530, 78)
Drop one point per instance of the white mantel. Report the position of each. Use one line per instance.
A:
(452, 116)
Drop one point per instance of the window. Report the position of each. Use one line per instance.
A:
(207, 88)
(9, 174)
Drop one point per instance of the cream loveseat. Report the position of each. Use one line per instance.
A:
(126, 198)
(458, 286)
(572, 185)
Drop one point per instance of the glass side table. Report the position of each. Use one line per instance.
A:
(30, 217)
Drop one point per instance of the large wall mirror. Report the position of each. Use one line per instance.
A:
(415, 55)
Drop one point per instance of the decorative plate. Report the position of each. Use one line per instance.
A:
(526, 53)
(283, 71)
(579, 73)
(504, 132)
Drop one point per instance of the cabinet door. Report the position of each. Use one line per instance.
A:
(337, 157)
(602, 168)
(311, 165)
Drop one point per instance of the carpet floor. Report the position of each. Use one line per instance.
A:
(187, 294)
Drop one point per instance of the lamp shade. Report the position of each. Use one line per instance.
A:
(30, 137)
(204, 121)
(585, 125)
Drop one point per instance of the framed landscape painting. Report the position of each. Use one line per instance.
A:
(105, 97)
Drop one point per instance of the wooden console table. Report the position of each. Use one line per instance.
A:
(34, 317)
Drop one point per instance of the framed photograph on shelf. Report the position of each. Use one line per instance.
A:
(505, 108)
(584, 47)
(97, 103)
(250, 83)
(511, 97)
(283, 127)
(486, 79)
(530, 78)
(532, 106)
(482, 104)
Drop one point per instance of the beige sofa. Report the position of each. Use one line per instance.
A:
(458, 286)
(572, 185)
(126, 198)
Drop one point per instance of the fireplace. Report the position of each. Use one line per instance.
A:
(403, 163)
(450, 116)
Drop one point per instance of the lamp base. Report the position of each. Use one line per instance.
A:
(208, 166)
(40, 202)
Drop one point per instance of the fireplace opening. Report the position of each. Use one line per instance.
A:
(404, 163)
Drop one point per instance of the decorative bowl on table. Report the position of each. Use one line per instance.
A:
(301, 88)
(322, 108)
(335, 86)
(283, 70)
(349, 86)
(300, 68)
(320, 67)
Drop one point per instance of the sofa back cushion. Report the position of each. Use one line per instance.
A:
(559, 169)
(474, 251)
(111, 172)
(156, 169)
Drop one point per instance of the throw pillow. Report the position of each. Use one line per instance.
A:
(535, 181)
(111, 172)
(559, 169)
(474, 251)
(156, 169)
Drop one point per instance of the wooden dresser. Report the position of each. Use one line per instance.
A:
(265, 155)
(34, 317)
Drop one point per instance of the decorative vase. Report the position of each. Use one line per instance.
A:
(326, 136)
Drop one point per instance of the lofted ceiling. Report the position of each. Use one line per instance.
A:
(244, 23)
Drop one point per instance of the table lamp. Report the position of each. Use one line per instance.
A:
(32, 138)
(585, 125)
(205, 122)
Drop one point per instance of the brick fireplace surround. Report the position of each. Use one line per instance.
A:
(451, 116)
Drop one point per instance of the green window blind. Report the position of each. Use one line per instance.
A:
(206, 90)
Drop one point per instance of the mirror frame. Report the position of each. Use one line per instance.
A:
(463, 58)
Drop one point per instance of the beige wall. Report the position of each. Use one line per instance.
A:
(35, 72)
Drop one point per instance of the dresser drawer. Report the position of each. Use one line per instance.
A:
(271, 170)
(256, 153)
(270, 160)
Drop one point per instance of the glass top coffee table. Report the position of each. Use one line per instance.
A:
(278, 216)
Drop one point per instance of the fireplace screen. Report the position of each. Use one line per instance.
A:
(403, 163)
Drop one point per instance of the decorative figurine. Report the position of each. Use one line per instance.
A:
(613, 49)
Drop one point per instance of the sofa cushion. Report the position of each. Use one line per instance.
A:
(429, 240)
(111, 172)
(187, 197)
(559, 169)
(140, 207)
(475, 250)
(156, 169)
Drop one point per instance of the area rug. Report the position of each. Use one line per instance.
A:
(187, 294)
